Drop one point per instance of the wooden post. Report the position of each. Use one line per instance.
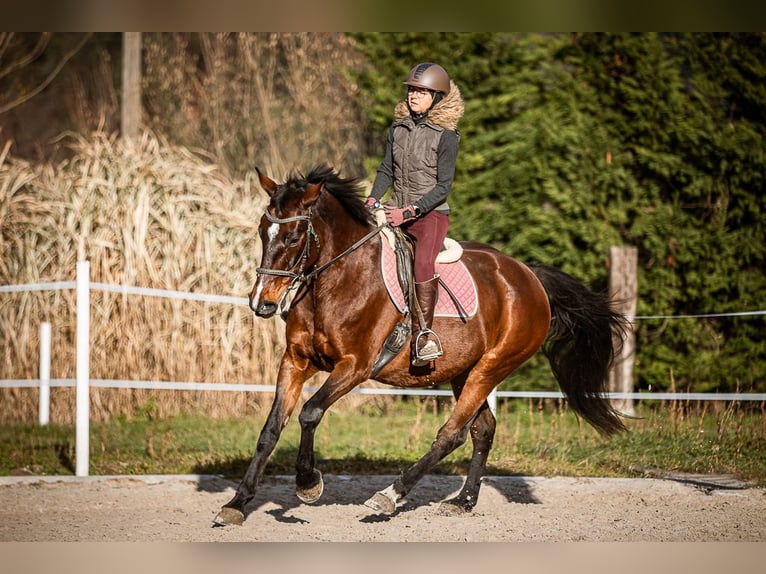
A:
(131, 84)
(623, 291)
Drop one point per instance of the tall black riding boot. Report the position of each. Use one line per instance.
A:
(426, 345)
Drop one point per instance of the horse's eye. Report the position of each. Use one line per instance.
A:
(292, 240)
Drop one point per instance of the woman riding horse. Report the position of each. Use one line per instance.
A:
(319, 243)
(419, 163)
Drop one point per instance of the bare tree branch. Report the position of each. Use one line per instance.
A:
(6, 42)
(44, 84)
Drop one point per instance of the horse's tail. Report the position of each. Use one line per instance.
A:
(581, 345)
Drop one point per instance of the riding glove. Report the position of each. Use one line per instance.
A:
(397, 215)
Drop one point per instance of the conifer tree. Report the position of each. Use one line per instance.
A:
(573, 143)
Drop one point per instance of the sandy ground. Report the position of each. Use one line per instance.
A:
(181, 509)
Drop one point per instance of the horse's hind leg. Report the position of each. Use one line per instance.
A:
(446, 441)
(482, 435)
(450, 436)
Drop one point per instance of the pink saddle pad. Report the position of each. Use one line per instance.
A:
(455, 275)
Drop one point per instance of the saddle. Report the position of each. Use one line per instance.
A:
(457, 290)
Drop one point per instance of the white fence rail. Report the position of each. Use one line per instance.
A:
(83, 382)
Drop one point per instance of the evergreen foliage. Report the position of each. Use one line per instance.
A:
(573, 143)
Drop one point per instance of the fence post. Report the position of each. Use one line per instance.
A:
(623, 290)
(44, 400)
(492, 401)
(82, 417)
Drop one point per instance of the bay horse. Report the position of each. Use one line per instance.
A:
(317, 247)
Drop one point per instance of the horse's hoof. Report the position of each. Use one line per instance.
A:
(312, 493)
(383, 502)
(229, 517)
(454, 508)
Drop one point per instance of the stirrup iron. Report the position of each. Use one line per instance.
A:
(431, 350)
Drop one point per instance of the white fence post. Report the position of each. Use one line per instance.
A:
(492, 401)
(82, 419)
(44, 400)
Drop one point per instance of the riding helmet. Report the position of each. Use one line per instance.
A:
(429, 76)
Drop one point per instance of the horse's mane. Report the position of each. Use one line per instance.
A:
(346, 190)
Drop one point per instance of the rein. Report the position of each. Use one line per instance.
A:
(351, 249)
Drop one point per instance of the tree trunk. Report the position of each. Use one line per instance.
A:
(131, 84)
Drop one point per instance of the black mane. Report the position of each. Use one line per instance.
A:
(348, 191)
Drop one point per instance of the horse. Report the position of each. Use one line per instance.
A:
(318, 250)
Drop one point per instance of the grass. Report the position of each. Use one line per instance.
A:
(532, 439)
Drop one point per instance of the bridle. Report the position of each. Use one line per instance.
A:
(302, 277)
(306, 247)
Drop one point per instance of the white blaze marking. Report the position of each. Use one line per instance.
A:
(257, 296)
(272, 231)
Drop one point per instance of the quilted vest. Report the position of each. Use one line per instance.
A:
(414, 157)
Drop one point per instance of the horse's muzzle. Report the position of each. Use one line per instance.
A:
(260, 305)
(264, 309)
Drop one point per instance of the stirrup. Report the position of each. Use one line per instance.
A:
(432, 349)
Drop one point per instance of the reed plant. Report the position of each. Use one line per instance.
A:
(145, 214)
(273, 99)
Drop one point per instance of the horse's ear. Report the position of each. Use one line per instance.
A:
(311, 194)
(268, 185)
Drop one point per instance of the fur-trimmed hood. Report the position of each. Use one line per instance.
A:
(446, 114)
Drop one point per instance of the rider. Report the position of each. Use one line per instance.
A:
(419, 163)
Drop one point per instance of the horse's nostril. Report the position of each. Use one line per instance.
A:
(266, 309)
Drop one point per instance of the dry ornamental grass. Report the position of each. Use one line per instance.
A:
(148, 215)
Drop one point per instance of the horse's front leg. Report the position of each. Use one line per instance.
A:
(308, 479)
(288, 391)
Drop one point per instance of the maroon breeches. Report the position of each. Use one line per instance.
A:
(428, 233)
